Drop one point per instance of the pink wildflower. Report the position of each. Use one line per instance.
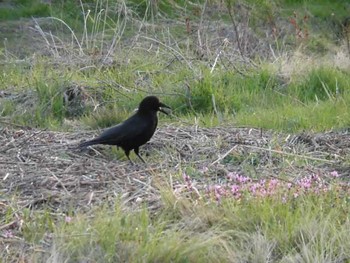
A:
(262, 182)
(273, 183)
(185, 177)
(242, 179)
(218, 193)
(254, 187)
(188, 181)
(305, 182)
(7, 234)
(235, 189)
(335, 174)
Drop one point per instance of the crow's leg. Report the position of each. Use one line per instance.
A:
(136, 150)
(127, 152)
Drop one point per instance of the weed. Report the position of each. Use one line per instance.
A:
(321, 84)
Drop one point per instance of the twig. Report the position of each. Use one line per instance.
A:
(8, 225)
(235, 28)
(215, 61)
(200, 25)
(223, 156)
(171, 49)
(58, 180)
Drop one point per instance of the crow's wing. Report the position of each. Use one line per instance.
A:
(125, 131)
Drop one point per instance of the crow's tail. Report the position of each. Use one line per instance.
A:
(88, 143)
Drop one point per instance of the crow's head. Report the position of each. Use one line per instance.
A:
(152, 103)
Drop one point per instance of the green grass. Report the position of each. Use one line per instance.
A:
(324, 9)
(128, 236)
(316, 100)
(323, 116)
(12, 10)
(185, 230)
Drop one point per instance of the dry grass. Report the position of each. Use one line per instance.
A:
(44, 167)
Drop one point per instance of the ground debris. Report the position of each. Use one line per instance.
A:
(46, 168)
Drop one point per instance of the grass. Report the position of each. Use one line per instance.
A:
(23, 8)
(320, 117)
(308, 227)
(132, 236)
(316, 100)
(97, 60)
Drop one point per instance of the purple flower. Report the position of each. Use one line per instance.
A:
(315, 177)
(242, 179)
(218, 193)
(8, 234)
(273, 183)
(188, 181)
(186, 177)
(335, 174)
(254, 187)
(220, 189)
(262, 182)
(305, 183)
(235, 190)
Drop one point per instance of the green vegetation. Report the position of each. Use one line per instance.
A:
(80, 65)
(10, 10)
(260, 95)
(316, 100)
(307, 227)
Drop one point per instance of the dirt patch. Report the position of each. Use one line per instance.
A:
(45, 167)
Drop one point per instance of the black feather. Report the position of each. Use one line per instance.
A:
(135, 131)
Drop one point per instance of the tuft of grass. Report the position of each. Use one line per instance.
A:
(321, 84)
(122, 235)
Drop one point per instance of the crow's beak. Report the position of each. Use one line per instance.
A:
(162, 106)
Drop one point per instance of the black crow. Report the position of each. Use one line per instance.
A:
(135, 131)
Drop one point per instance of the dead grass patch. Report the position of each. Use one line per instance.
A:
(44, 167)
